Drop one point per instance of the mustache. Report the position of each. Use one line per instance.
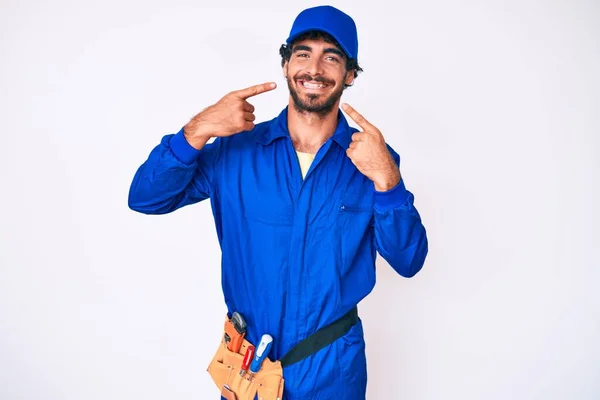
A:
(317, 78)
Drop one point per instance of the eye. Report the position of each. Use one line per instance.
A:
(333, 58)
(302, 55)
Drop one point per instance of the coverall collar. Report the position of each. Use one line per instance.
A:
(279, 128)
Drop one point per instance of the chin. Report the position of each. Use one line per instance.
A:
(321, 101)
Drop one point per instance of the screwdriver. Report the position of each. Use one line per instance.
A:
(261, 353)
(247, 358)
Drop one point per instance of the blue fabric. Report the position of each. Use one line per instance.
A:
(331, 20)
(296, 254)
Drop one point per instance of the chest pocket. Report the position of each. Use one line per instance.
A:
(271, 213)
(269, 217)
(356, 200)
(355, 208)
(354, 226)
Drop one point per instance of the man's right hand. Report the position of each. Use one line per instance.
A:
(230, 115)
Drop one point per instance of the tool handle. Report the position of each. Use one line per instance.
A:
(248, 357)
(235, 338)
(261, 353)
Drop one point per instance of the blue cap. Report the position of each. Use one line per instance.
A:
(330, 20)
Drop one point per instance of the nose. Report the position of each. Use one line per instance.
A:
(315, 67)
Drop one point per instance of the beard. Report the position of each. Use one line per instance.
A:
(312, 102)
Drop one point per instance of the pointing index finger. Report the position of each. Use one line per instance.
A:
(356, 116)
(254, 90)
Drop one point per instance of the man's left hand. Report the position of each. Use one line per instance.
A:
(369, 153)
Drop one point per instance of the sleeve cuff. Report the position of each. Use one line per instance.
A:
(182, 149)
(393, 198)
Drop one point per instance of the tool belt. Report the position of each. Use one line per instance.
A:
(268, 382)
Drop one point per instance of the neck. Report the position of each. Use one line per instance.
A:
(309, 131)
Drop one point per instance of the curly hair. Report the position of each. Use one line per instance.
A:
(286, 50)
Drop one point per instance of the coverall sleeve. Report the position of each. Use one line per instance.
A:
(174, 175)
(400, 236)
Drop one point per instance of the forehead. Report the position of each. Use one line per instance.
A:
(316, 44)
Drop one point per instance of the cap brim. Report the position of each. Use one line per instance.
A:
(295, 35)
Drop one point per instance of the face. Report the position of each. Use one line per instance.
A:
(316, 74)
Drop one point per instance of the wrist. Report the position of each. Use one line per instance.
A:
(197, 136)
(387, 181)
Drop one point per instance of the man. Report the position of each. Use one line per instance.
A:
(302, 203)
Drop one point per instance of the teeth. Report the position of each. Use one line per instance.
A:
(313, 85)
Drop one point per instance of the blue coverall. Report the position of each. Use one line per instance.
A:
(312, 241)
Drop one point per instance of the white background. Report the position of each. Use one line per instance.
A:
(493, 107)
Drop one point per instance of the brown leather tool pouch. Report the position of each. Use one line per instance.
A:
(225, 370)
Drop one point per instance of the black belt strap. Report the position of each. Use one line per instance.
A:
(320, 339)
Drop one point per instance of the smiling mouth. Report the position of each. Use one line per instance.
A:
(313, 85)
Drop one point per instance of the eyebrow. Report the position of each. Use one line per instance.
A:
(304, 47)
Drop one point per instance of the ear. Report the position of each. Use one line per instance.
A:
(285, 69)
(349, 77)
